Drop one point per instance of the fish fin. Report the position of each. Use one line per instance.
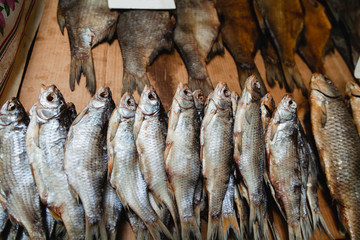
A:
(229, 224)
(60, 19)
(273, 71)
(199, 195)
(257, 221)
(294, 232)
(139, 117)
(213, 228)
(32, 142)
(79, 117)
(112, 129)
(85, 65)
(319, 221)
(248, 116)
(190, 230)
(157, 229)
(102, 231)
(131, 82)
(272, 191)
(259, 17)
(92, 230)
(292, 75)
(204, 84)
(216, 49)
(206, 120)
(112, 234)
(323, 114)
(273, 229)
(305, 226)
(242, 211)
(142, 234)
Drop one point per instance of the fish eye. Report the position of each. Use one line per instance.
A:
(103, 94)
(50, 98)
(11, 107)
(226, 92)
(290, 102)
(130, 102)
(152, 96)
(201, 98)
(256, 84)
(187, 92)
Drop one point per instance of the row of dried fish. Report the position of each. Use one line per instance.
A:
(219, 158)
(201, 29)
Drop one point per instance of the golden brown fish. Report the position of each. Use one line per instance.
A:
(142, 35)
(353, 96)
(285, 27)
(217, 153)
(316, 35)
(250, 157)
(241, 35)
(338, 144)
(50, 121)
(85, 161)
(196, 30)
(182, 158)
(88, 22)
(150, 130)
(16, 180)
(285, 173)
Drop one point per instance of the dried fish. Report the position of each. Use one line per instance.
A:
(353, 97)
(267, 109)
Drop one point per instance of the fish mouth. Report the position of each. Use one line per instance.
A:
(324, 85)
(353, 88)
(198, 95)
(104, 93)
(223, 91)
(185, 92)
(9, 106)
(128, 102)
(326, 95)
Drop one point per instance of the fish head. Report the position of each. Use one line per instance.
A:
(102, 99)
(322, 87)
(287, 109)
(13, 112)
(353, 89)
(222, 96)
(51, 97)
(199, 99)
(149, 101)
(127, 106)
(268, 103)
(252, 89)
(184, 96)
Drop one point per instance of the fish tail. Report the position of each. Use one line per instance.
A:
(142, 233)
(92, 230)
(157, 229)
(213, 228)
(292, 75)
(318, 221)
(229, 223)
(112, 234)
(131, 82)
(274, 73)
(102, 230)
(204, 84)
(171, 205)
(258, 226)
(271, 225)
(86, 66)
(305, 226)
(216, 49)
(190, 228)
(295, 232)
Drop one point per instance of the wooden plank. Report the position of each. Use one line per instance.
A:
(50, 63)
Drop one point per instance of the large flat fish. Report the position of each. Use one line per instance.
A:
(317, 31)
(250, 156)
(142, 35)
(196, 30)
(50, 121)
(217, 153)
(16, 180)
(353, 97)
(124, 170)
(85, 160)
(241, 35)
(150, 130)
(182, 158)
(88, 22)
(285, 27)
(338, 144)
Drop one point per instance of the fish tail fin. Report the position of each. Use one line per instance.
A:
(204, 84)
(112, 234)
(60, 19)
(274, 73)
(271, 226)
(292, 75)
(102, 230)
(229, 224)
(258, 225)
(319, 221)
(142, 233)
(92, 230)
(216, 49)
(131, 82)
(157, 229)
(190, 228)
(245, 71)
(305, 226)
(86, 66)
(213, 228)
(170, 203)
(294, 232)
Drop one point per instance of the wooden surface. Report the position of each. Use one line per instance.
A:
(50, 63)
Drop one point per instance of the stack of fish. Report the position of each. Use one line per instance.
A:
(216, 158)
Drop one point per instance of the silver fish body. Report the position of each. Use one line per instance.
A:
(50, 121)
(124, 169)
(16, 181)
(85, 160)
(150, 129)
(267, 109)
(216, 152)
(182, 158)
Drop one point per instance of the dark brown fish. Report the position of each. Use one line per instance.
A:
(217, 153)
(142, 35)
(287, 164)
(50, 121)
(338, 144)
(285, 27)
(88, 22)
(196, 31)
(316, 35)
(17, 183)
(241, 35)
(85, 161)
(272, 62)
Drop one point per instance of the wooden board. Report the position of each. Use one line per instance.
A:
(50, 63)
